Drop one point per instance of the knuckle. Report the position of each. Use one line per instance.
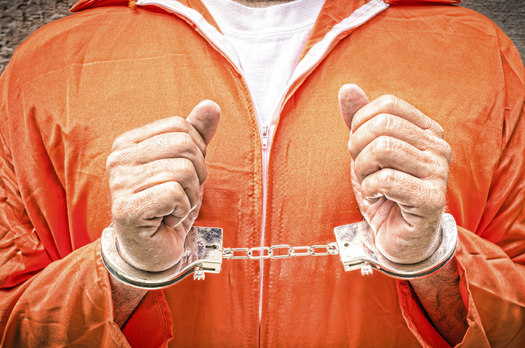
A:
(433, 168)
(443, 149)
(120, 209)
(183, 207)
(184, 140)
(116, 159)
(448, 152)
(119, 142)
(175, 190)
(186, 168)
(180, 124)
(439, 130)
(382, 146)
(437, 169)
(112, 161)
(351, 148)
(388, 178)
(381, 122)
(389, 102)
(442, 168)
(386, 123)
(116, 183)
(358, 165)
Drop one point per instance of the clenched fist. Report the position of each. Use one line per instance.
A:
(400, 167)
(155, 177)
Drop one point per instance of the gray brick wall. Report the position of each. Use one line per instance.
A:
(20, 18)
(509, 15)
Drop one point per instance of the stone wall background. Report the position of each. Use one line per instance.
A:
(20, 18)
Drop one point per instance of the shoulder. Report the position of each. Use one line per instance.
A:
(109, 33)
(440, 18)
(61, 42)
(464, 32)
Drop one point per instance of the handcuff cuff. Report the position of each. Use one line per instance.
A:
(203, 253)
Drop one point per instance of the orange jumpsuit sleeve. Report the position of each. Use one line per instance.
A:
(491, 260)
(53, 301)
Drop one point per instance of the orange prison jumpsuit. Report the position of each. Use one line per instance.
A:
(81, 81)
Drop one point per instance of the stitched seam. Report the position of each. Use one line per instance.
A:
(160, 314)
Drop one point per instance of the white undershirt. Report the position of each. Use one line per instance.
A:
(268, 42)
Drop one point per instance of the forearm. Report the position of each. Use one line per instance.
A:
(440, 296)
(74, 295)
(125, 300)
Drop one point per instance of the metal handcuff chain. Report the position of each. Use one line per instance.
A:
(271, 252)
(203, 253)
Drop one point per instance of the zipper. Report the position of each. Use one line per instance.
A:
(266, 131)
(264, 137)
(265, 154)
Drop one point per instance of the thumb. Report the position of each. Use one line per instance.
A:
(205, 118)
(351, 99)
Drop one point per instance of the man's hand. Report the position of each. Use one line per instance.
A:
(155, 177)
(399, 172)
(399, 175)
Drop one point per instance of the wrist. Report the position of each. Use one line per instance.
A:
(125, 300)
(446, 275)
(357, 248)
(440, 297)
(152, 249)
(418, 248)
(202, 254)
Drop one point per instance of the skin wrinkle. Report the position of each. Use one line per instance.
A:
(400, 154)
(375, 128)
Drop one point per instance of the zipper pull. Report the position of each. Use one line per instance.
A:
(264, 137)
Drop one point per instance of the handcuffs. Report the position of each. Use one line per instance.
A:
(203, 253)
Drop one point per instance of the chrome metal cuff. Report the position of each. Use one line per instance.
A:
(357, 249)
(202, 253)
